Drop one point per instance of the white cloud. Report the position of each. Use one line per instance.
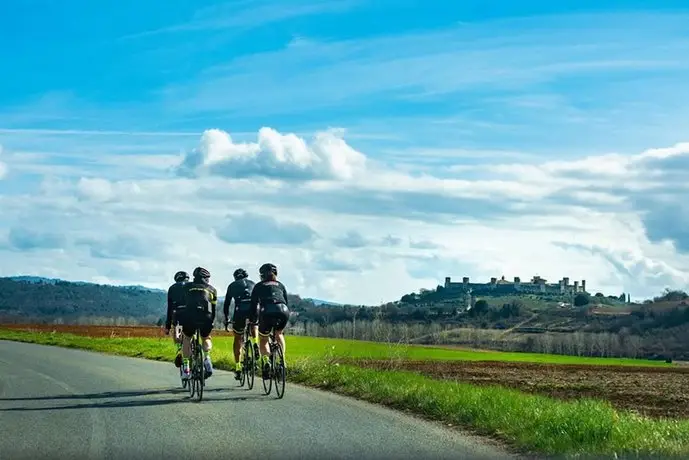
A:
(362, 237)
(275, 155)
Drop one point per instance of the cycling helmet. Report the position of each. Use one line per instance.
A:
(240, 273)
(181, 276)
(200, 272)
(267, 269)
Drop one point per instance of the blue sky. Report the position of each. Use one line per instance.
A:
(444, 139)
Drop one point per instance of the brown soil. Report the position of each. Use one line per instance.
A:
(651, 391)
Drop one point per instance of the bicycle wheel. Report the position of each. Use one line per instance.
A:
(278, 365)
(249, 366)
(190, 382)
(200, 373)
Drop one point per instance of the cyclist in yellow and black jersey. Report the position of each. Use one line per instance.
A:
(201, 299)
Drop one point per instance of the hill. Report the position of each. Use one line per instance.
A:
(47, 300)
(35, 299)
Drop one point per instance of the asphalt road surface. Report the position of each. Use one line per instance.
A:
(63, 403)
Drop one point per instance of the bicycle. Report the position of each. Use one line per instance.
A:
(198, 374)
(277, 367)
(248, 358)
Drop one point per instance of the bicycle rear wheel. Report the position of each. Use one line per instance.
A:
(249, 364)
(190, 382)
(200, 372)
(279, 374)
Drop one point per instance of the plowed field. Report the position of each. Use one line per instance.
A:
(651, 391)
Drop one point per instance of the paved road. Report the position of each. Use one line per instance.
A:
(62, 403)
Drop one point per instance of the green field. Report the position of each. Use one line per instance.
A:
(528, 423)
(316, 347)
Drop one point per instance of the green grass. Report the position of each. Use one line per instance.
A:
(317, 347)
(528, 422)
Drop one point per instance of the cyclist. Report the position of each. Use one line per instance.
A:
(274, 311)
(176, 297)
(201, 299)
(240, 291)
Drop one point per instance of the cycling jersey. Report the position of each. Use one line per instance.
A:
(176, 297)
(239, 290)
(202, 297)
(268, 293)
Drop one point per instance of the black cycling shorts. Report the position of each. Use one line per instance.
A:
(272, 316)
(240, 318)
(193, 319)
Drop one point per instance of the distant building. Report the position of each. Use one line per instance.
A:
(537, 285)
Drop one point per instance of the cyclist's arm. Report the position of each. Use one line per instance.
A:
(254, 301)
(226, 303)
(214, 301)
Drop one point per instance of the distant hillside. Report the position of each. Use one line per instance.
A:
(30, 298)
(46, 300)
(319, 302)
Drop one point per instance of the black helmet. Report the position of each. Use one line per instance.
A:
(267, 269)
(200, 272)
(181, 276)
(240, 273)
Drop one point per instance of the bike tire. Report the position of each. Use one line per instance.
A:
(201, 374)
(249, 365)
(279, 373)
(190, 382)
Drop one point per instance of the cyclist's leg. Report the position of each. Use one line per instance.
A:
(205, 328)
(280, 324)
(264, 327)
(238, 330)
(188, 329)
(253, 332)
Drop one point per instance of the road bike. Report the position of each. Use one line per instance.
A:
(276, 361)
(198, 375)
(248, 358)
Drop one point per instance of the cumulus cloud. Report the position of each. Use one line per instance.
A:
(251, 228)
(29, 239)
(284, 156)
(615, 219)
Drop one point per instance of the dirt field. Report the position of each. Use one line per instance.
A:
(656, 392)
(97, 331)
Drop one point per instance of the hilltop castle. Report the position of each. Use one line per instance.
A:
(537, 285)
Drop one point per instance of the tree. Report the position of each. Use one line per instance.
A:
(599, 294)
(581, 299)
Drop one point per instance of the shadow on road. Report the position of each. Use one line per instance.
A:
(239, 394)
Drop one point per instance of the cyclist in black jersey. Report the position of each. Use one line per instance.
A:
(201, 299)
(240, 291)
(271, 295)
(176, 298)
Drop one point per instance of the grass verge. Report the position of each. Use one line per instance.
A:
(529, 422)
